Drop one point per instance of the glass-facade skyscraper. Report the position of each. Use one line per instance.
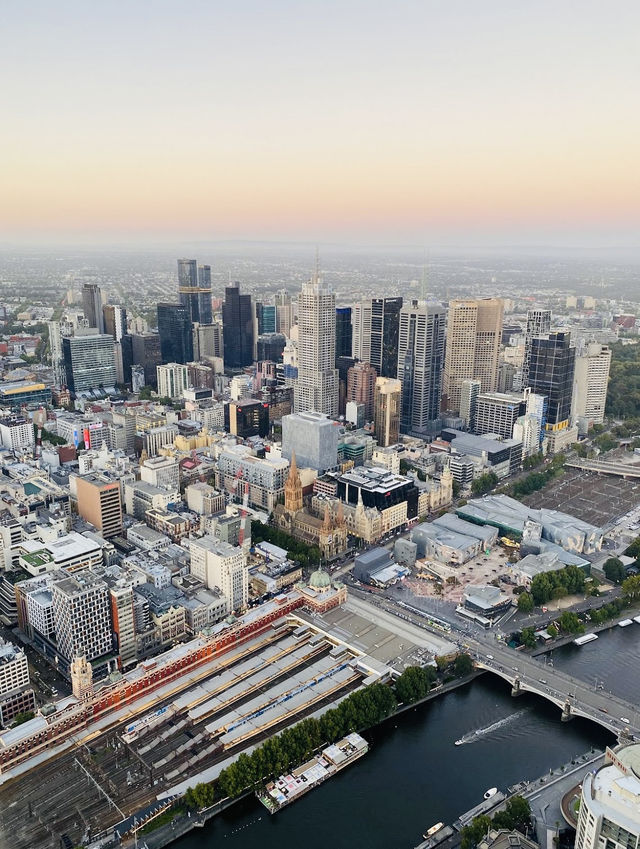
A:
(176, 334)
(194, 288)
(237, 322)
(551, 368)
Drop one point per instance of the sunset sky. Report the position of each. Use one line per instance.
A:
(342, 119)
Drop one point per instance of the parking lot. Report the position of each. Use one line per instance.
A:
(594, 498)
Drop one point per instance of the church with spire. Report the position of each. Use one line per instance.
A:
(329, 533)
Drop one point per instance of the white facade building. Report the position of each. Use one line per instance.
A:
(219, 564)
(316, 387)
(609, 815)
(173, 379)
(590, 379)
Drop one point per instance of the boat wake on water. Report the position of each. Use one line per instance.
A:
(472, 736)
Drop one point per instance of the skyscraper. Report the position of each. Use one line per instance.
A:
(469, 391)
(316, 387)
(115, 321)
(590, 380)
(385, 323)
(474, 331)
(194, 288)
(237, 321)
(386, 410)
(145, 350)
(551, 369)
(176, 336)
(92, 306)
(266, 315)
(284, 312)
(89, 362)
(361, 381)
(420, 356)
(538, 324)
(375, 333)
(343, 332)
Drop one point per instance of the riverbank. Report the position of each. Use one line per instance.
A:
(558, 642)
(167, 834)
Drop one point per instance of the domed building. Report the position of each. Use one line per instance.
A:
(321, 593)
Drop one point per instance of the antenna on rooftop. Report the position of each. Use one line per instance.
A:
(317, 271)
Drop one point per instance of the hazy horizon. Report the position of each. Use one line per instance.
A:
(431, 124)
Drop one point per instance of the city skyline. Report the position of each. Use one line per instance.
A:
(338, 122)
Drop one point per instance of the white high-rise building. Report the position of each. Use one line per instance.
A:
(316, 387)
(173, 379)
(219, 564)
(361, 337)
(610, 802)
(469, 391)
(590, 379)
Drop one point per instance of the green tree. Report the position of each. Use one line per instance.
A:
(614, 570)
(472, 834)
(145, 393)
(634, 549)
(414, 683)
(552, 631)
(525, 602)
(631, 587)
(570, 623)
(462, 665)
(528, 637)
(485, 483)
(517, 814)
(23, 716)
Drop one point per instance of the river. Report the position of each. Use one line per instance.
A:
(414, 775)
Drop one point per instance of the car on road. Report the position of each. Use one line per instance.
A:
(489, 657)
(604, 710)
(624, 719)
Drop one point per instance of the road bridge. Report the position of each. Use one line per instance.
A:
(573, 696)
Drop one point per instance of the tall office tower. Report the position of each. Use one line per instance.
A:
(82, 615)
(115, 321)
(474, 331)
(145, 348)
(205, 314)
(497, 412)
(361, 331)
(237, 320)
(284, 312)
(538, 324)
(99, 502)
(207, 341)
(590, 380)
(386, 410)
(610, 801)
(469, 391)
(551, 369)
(344, 332)
(270, 347)
(361, 381)
(176, 335)
(89, 362)
(266, 315)
(57, 359)
(317, 385)
(420, 356)
(385, 322)
(92, 306)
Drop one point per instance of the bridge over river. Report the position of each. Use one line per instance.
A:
(573, 696)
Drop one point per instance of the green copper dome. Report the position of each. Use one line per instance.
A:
(319, 580)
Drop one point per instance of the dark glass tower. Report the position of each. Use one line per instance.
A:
(176, 335)
(385, 321)
(237, 322)
(344, 333)
(194, 288)
(551, 368)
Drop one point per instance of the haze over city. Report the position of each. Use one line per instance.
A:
(425, 123)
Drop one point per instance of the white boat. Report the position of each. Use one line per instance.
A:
(490, 792)
(636, 619)
(431, 831)
(587, 638)
(625, 623)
